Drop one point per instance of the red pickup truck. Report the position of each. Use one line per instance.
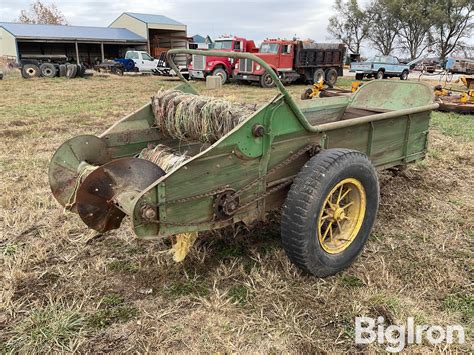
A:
(294, 60)
(202, 66)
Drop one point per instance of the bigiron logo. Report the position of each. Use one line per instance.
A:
(369, 330)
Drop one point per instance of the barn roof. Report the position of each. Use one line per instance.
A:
(61, 32)
(198, 39)
(149, 18)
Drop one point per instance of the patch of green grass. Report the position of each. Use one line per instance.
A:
(454, 125)
(187, 288)
(50, 328)
(9, 249)
(434, 153)
(124, 266)
(344, 82)
(462, 303)
(114, 310)
(422, 164)
(112, 300)
(351, 281)
(390, 303)
(229, 251)
(238, 294)
(250, 264)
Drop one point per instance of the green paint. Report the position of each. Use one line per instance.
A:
(386, 120)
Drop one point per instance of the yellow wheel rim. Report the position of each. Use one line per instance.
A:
(341, 216)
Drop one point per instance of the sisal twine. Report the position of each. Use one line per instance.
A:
(192, 118)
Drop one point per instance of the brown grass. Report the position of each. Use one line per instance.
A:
(65, 288)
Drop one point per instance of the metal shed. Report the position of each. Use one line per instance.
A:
(161, 32)
(80, 43)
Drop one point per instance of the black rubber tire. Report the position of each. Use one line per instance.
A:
(117, 70)
(71, 71)
(404, 75)
(29, 71)
(48, 70)
(331, 77)
(318, 76)
(221, 73)
(380, 75)
(62, 70)
(305, 200)
(306, 95)
(266, 81)
(79, 70)
(359, 76)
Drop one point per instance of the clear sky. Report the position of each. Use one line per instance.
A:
(251, 19)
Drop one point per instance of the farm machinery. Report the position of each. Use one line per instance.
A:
(187, 163)
(322, 89)
(461, 101)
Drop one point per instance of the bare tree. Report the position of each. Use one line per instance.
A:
(41, 13)
(384, 27)
(350, 25)
(415, 24)
(453, 21)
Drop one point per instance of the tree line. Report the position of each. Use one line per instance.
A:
(407, 26)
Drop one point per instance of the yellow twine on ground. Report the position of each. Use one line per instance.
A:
(182, 245)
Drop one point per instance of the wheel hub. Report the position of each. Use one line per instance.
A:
(341, 216)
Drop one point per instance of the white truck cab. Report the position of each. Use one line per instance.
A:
(143, 61)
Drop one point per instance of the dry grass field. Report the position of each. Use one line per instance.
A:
(65, 288)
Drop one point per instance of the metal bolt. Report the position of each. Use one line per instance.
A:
(258, 130)
(148, 212)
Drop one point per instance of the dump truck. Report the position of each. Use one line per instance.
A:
(202, 66)
(184, 164)
(293, 60)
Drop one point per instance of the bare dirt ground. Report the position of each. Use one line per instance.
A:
(66, 288)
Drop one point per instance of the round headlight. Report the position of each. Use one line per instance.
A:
(257, 67)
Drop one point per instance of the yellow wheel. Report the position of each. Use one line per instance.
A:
(342, 215)
(329, 211)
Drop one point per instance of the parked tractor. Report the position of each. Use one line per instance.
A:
(293, 60)
(202, 66)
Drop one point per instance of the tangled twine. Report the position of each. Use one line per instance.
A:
(163, 156)
(167, 159)
(193, 118)
(84, 172)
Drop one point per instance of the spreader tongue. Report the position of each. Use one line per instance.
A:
(108, 193)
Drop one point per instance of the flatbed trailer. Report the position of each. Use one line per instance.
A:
(315, 160)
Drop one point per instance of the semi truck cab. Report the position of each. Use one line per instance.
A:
(202, 66)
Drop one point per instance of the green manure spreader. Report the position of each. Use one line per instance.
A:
(186, 163)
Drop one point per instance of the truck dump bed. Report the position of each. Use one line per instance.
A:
(309, 54)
